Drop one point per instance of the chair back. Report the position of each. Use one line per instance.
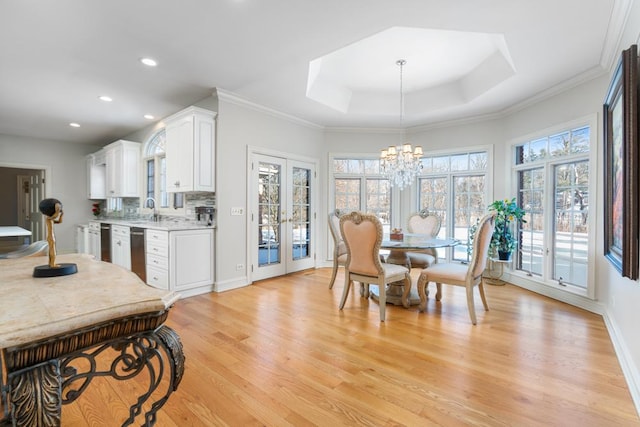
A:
(481, 242)
(424, 223)
(39, 247)
(339, 247)
(362, 235)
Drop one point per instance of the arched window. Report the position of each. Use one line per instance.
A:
(155, 176)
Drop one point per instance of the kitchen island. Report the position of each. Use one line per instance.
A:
(55, 331)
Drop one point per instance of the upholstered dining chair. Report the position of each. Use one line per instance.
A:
(457, 274)
(362, 234)
(36, 248)
(339, 248)
(423, 223)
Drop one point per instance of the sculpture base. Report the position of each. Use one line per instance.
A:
(60, 270)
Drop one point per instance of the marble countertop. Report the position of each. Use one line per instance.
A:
(36, 308)
(166, 225)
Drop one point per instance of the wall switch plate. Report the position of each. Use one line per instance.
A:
(237, 211)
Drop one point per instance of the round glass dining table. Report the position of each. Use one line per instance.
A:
(398, 249)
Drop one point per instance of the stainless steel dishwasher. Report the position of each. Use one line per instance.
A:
(138, 264)
(105, 242)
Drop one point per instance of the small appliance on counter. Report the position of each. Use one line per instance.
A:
(205, 213)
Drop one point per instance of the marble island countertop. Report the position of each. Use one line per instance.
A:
(36, 308)
(164, 224)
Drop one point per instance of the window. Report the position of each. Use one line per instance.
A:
(454, 186)
(553, 182)
(359, 185)
(156, 178)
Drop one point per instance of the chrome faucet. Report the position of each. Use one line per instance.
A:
(153, 206)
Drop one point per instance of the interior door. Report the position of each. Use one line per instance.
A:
(30, 193)
(282, 217)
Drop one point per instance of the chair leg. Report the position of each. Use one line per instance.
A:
(470, 304)
(422, 292)
(334, 273)
(345, 291)
(364, 290)
(484, 299)
(438, 291)
(382, 300)
(407, 290)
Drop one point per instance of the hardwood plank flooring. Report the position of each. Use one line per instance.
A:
(280, 353)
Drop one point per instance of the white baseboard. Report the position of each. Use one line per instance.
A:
(231, 284)
(192, 292)
(629, 368)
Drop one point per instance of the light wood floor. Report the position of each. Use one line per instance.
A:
(280, 353)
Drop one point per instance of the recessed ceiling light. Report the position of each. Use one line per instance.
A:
(74, 125)
(105, 98)
(149, 62)
(149, 117)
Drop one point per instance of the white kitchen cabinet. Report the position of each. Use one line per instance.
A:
(180, 260)
(157, 257)
(96, 176)
(190, 259)
(121, 246)
(123, 169)
(190, 151)
(94, 239)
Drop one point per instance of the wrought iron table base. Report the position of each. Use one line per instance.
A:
(36, 389)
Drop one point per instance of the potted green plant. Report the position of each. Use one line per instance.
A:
(503, 242)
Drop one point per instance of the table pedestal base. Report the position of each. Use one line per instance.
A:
(394, 294)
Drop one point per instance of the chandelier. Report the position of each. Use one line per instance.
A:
(400, 164)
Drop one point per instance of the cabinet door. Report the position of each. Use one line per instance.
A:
(179, 152)
(123, 169)
(96, 179)
(190, 258)
(111, 173)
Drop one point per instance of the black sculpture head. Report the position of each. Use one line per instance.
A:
(48, 207)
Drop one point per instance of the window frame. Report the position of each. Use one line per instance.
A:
(548, 205)
(157, 158)
(450, 175)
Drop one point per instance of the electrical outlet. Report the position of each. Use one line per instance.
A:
(237, 211)
(239, 267)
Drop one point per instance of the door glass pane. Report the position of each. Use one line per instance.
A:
(531, 233)
(269, 196)
(301, 204)
(571, 218)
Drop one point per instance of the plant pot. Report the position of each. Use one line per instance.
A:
(504, 255)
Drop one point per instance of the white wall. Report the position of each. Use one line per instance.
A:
(239, 127)
(67, 182)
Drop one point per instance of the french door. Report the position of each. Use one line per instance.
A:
(282, 216)
(30, 193)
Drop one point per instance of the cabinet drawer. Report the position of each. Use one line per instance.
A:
(120, 230)
(157, 277)
(157, 249)
(157, 236)
(157, 261)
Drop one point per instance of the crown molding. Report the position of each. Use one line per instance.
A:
(613, 38)
(235, 99)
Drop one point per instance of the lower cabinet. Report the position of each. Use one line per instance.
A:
(179, 260)
(190, 259)
(121, 246)
(94, 239)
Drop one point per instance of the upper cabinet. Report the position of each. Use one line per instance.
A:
(123, 169)
(96, 176)
(190, 150)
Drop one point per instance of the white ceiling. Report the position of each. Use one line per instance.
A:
(482, 56)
